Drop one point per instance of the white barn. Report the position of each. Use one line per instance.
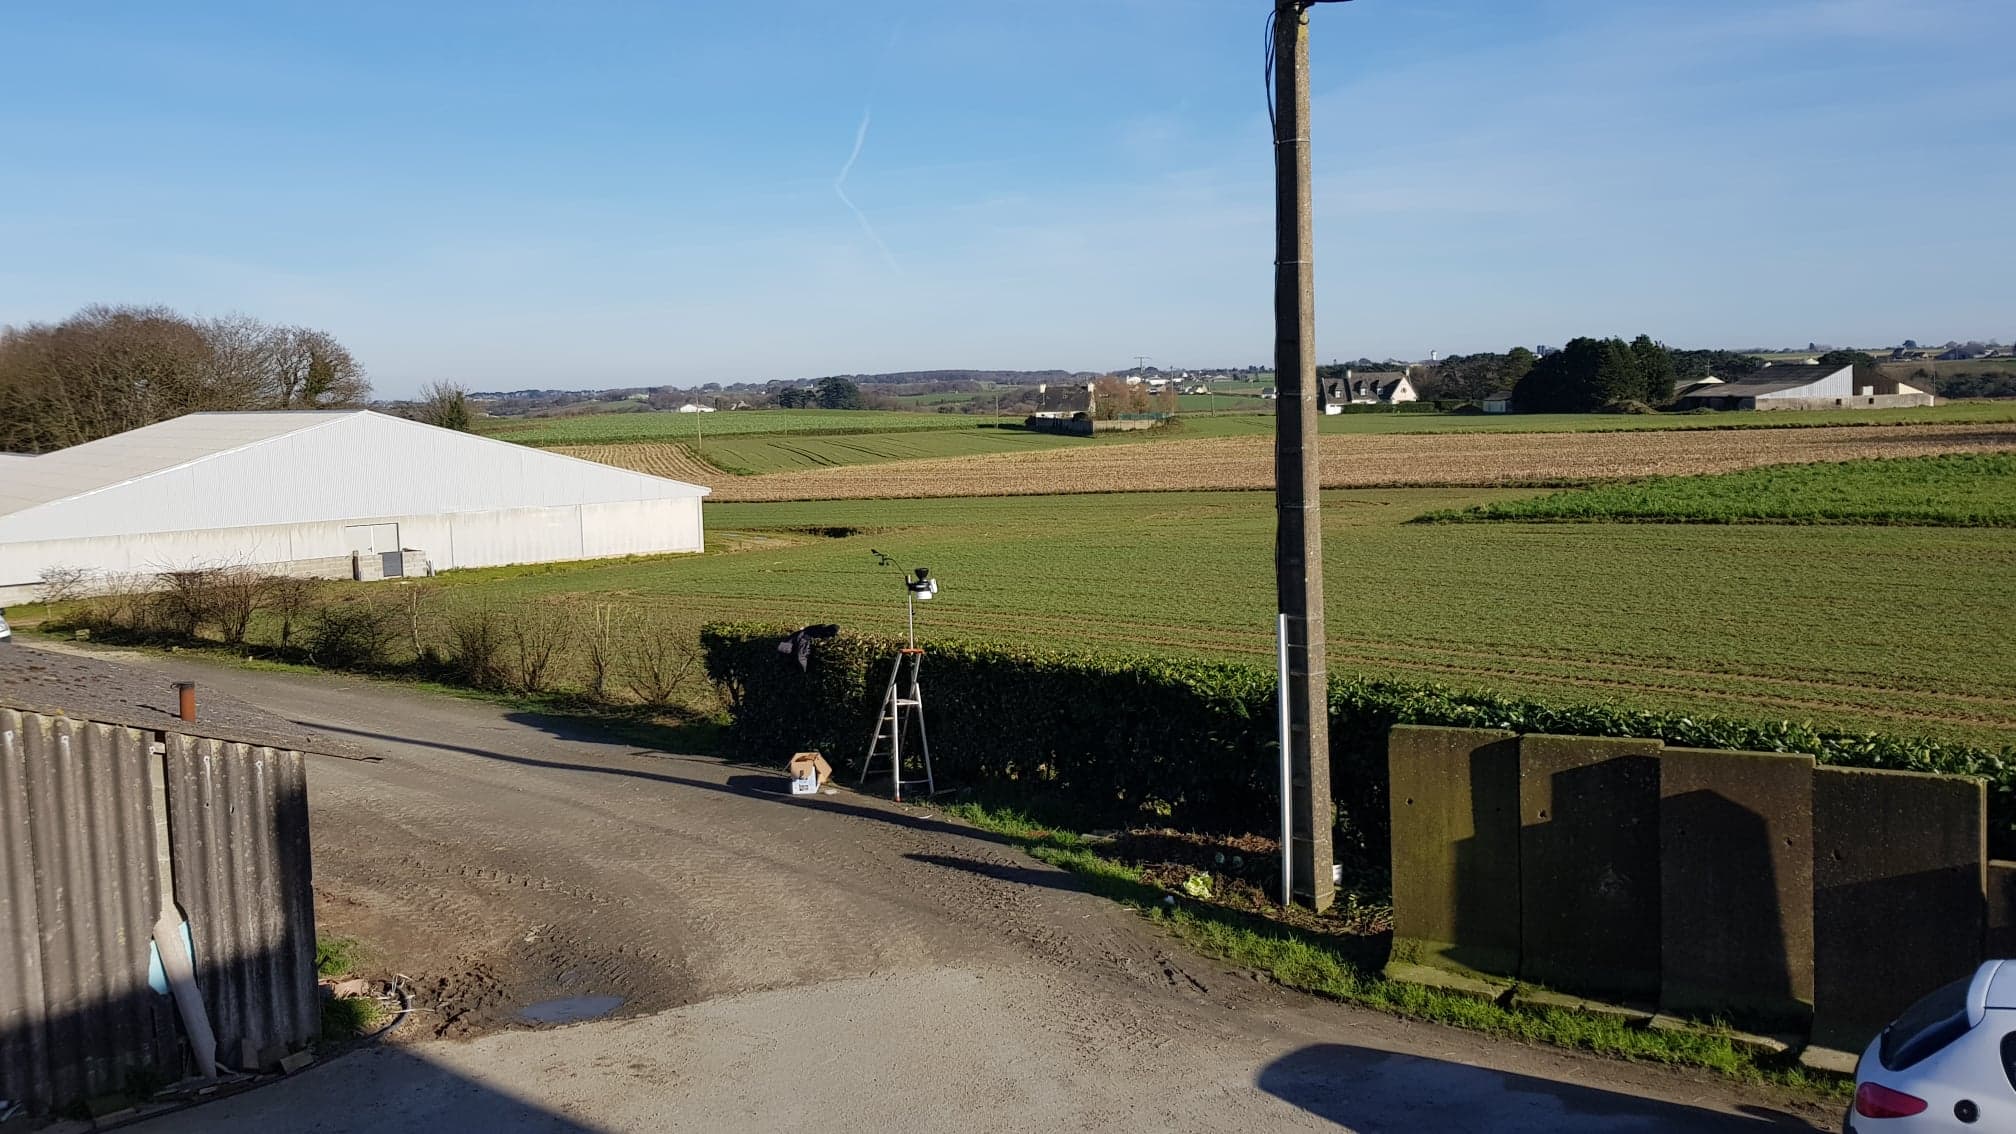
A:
(1804, 387)
(338, 494)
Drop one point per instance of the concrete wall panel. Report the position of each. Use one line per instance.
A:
(1736, 884)
(1899, 902)
(1589, 865)
(1455, 810)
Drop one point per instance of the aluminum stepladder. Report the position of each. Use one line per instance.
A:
(889, 726)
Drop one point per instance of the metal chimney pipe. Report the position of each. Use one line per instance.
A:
(186, 690)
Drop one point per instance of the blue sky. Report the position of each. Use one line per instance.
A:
(601, 194)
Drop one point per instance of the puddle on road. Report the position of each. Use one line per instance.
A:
(570, 1009)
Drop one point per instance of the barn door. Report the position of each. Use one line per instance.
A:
(381, 540)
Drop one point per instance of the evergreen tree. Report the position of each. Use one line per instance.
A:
(1655, 370)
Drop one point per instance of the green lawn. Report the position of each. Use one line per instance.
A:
(1963, 490)
(1889, 628)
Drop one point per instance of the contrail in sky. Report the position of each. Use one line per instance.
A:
(840, 188)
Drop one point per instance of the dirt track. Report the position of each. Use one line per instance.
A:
(836, 961)
(1349, 461)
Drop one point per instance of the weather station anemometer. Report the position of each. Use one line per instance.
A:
(903, 700)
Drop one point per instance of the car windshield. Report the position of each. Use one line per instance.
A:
(1925, 1027)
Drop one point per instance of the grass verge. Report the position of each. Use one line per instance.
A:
(1335, 969)
(347, 1017)
(337, 956)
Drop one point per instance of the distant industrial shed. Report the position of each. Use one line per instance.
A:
(334, 494)
(1803, 387)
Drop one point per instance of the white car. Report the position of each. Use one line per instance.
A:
(6, 635)
(1948, 1063)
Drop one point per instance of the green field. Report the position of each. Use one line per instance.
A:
(669, 425)
(759, 453)
(1895, 629)
(1966, 490)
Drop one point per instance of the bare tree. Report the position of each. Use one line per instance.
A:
(446, 405)
(317, 372)
(63, 584)
(105, 370)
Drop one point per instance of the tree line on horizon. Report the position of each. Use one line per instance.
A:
(108, 369)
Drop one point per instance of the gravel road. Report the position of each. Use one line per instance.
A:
(833, 961)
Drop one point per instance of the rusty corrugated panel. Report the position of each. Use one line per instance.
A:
(76, 912)
(238, 822)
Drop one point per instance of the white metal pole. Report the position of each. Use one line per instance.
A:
(1287, 816)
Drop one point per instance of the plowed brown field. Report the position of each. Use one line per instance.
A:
(1348, 462)
(656, 458)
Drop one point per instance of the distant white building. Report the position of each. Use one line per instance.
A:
(695, 407)
(333, 494)
(1803, 386)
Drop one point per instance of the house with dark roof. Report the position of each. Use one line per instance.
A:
(1797, 386)
(1381, 388)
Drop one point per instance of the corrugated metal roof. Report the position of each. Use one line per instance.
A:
(1772, 380)
(150, 449)
(210, 472)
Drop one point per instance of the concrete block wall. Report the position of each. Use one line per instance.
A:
(1751, 887)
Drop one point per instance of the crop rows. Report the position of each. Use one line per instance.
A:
(1975, 490)
(615, 428)
(1347, 462)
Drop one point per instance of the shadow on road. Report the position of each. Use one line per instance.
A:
(770, 787)
(1370, 1091)
(389, 1089)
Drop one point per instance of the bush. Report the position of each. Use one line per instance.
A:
(226, 597)
(476, 647)
(62, 584)
(352, 635)
(538, 636)
(1116, 740)
(655, 661)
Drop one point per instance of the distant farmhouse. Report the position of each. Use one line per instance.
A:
(330, 494)
(1798, 386)
(1380, 388)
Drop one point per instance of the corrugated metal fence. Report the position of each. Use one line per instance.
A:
(82, 890)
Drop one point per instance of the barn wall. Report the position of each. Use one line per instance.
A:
(475, 539)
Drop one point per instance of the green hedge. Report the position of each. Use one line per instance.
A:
(1191, 743)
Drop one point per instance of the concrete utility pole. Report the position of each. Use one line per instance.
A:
(1298, 531)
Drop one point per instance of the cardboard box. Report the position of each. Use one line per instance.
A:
(804, 761)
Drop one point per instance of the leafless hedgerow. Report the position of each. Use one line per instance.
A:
(539, 634)
(476, 645)
(656, 662)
